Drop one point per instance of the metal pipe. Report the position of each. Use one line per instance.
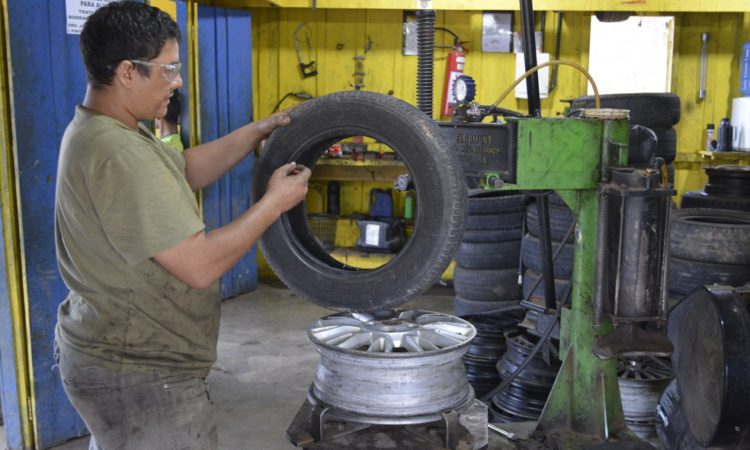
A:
(666, 212)
(704, 66)
(545, 242)
(601, 286)
(558, 36)
(529, 57)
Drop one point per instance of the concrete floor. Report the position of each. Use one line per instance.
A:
(266, 364)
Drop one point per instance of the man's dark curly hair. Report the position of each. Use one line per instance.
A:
(123, 30)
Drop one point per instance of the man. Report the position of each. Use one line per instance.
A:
(137, 333)
(170, 133)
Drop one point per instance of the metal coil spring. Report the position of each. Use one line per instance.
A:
(426, 58)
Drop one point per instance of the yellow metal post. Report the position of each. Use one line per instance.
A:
(12, 241)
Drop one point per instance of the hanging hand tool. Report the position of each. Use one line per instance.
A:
(308, 69)
(359, 67)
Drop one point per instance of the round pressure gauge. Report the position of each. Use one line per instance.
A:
(464, 89)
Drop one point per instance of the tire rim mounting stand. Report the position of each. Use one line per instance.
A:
(584, 405)
(579, 159)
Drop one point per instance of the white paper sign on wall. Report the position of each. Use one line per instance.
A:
(77, 11)
(632, 56)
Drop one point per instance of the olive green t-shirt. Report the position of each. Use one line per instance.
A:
(122, 198)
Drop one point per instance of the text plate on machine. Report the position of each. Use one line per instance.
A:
(484, 148)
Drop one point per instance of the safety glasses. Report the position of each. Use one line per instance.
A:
(169, 70)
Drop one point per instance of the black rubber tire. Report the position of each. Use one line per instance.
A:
(658, 110)
(530, 277)
(699, 199)
(464, 307)
(486, 285)
(710, 235)
(560, 219)
(686, 275)
(494, 202)
(552, 199)
(666, 147)
(488, 255)
(290, 247)
(641, 144)
(728, 181)
(502, 235)
(672, 426)
(501, 221)
(531, 255)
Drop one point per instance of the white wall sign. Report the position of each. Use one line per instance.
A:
(77, 11)
(631, 56)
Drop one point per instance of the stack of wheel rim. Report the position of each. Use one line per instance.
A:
(642, 380)
(486, 273)
(656, 111)
(487, 348)
(708, 246)
(728, 187)
(392, 367)
(561, 218)
(524, 397)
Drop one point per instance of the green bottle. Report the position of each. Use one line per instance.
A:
(409, 206)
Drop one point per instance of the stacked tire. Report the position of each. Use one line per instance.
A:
(486, 273)
(561, 219)
(728, 187)
(656, 111)
(708, 246)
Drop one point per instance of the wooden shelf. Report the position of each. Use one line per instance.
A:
(370, 162)
(346, 169)
(725, 157)
(364, 260)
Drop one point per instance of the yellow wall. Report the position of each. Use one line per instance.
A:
(168, 6)
(340, 34)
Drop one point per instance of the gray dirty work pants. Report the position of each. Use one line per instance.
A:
(140, 410)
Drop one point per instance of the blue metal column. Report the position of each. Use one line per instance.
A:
(48, 80)
(8, 382)
(225, 86)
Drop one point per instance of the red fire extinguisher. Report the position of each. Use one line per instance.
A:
(453, 68)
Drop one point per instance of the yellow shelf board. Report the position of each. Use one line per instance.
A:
(728, 157)
(364, 260)
(359, 163)
(688, 157)
(504, 5)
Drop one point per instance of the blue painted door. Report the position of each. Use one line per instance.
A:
(48, 81)
(8, 380)
(224, 74)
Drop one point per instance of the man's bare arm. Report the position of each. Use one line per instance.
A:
(205, 163)
(202, 258)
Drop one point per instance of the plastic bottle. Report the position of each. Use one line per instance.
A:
(332, 206)
(745, 70)
(710, 137)
(725, 136)
(409, 206)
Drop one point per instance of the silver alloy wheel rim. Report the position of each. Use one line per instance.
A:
(642, 381)
(397, 367)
